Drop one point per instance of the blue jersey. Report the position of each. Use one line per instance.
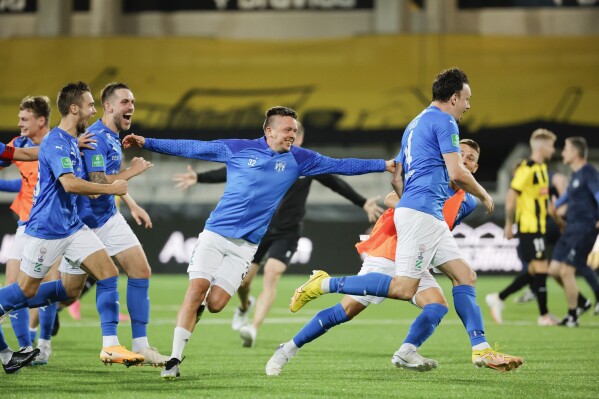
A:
(54, 213)
(582, 198)
(468, 205)
(106, 157)
(257, 178)
(430, 135)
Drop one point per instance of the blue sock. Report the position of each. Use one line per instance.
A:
(11, 296)
(20, 325)
(3, 344)
(50, 292)
(424, 325)
(320, 324)
(32, 334)
(47, 315)
(376, 284)
(107, 303)
(464, 301)
(138, 303)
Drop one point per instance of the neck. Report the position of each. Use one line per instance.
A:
(538, 158)
(69, 125)
(37, 139)
(109, 123)
(577, 164)
(445, 107)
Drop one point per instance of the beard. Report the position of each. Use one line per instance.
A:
(81, 127)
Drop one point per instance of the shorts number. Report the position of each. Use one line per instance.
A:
(539, 244)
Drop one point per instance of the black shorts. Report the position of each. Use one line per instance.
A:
(574, 247)
(280, 246)
(531, 247)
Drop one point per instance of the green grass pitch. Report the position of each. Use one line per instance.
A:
(351, 361)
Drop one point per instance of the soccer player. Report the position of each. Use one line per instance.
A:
(280, 240)
(379, 250)
(430, 157)
(103, 164)
(259, 172)
(582, 222)
(526, 203)
(55, 230)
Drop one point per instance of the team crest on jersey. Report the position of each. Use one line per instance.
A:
(420, 258)
(575, 183)
(280, 166)
(42, 254)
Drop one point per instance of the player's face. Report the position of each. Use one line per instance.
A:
(29, 124)
(281, 133)
(121, 106)
(569, 153)
(86, 111)
(547, 149)
(469, 157)
(462, 103)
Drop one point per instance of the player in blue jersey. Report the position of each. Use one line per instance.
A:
(379, 250)
(103, 164)
(259, 172)
(55, 230)
(429, 157)
(582, 222)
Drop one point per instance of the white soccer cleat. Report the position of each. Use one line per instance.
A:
(412, 360)
(152, 357)
(240, 317)
(44, 356)
(171, 369)
(496, 306)
(548, 320)
(277, 361)
(248, 335)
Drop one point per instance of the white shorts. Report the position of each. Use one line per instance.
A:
(18, 244)
(423, 242)
(222, 261)
(383, 265)
(39, 254)
(116, 235)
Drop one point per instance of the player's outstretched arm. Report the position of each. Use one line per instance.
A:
(137, 166)
(75, 185)
(391, 200)
(9, 153)
(139, 214)
(397, 180)
(133, 140)
(465, 180)
(11, 186)
(185, 180)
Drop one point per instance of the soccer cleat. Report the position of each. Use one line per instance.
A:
(527, 296)
(568, 321)
(308, 291)
(277, 361)
(547, 320)
(18, 360)
(44, 356)
(152, 357)
(118, 354)
(171, 369)
(580, 310)
(200, 312)
(240, 317)
(495, 360)
(596, 310)
(248, 336)
(412, 360)
(496, 306)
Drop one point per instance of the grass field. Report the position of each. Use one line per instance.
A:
(351, 361)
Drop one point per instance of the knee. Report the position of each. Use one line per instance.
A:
(214, 306)
(566, 272)
(397, 291)
(29, 290)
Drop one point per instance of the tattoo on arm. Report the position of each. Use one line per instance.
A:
(97, 177)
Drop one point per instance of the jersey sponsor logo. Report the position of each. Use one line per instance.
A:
(97, 161)
(280, 166)
(575, 183)
(66, 162)
(60, 147)
(455, 140)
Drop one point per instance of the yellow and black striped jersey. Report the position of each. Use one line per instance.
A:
(531, 181)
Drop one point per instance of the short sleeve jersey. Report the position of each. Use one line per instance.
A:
(54, 213)
(583, 210)
(106, 157)
(531, 181)
(430, 135)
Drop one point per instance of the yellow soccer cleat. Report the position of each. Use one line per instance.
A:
(308, 291)
(118, 354)
(495, 360)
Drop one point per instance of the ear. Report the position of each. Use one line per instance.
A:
(74, 108)
(107, 107)
(475, 168)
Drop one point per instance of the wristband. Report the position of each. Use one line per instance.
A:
(7, 153)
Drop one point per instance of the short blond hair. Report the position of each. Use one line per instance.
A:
(542, 134)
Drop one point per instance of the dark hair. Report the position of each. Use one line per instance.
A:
(39, 105)
(109, 90)
(278, 111)
(580, 144)
(71, 93)
(448, 83)
(472, 144)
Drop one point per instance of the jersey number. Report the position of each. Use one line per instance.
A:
(409, 150)
(251, 162)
